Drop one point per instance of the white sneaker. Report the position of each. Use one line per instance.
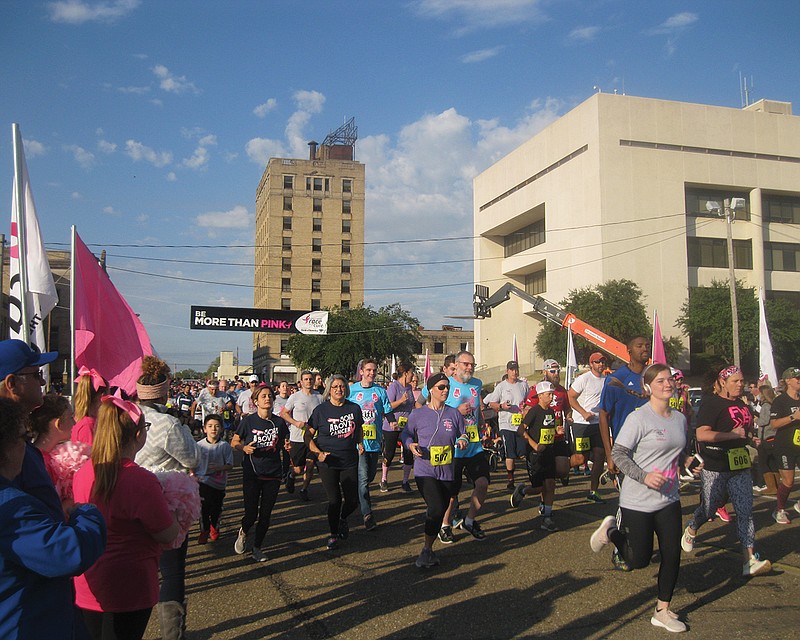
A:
(780, 516)
(258, 555)
(687, 540)
(756, 567)
(667, 620)
(599, 538)
(797, 507)
(238, 546)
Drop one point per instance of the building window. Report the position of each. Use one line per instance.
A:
(286, 285)
(316, 244)
(287, 243)
(784, 209)
(345, 266)
(345, 226)
(316, 224)
(463, 346)
(318, 184)
(286, 304)
(524, 238)
(345, 286)
(318, 204)
(713, 252)
(286, 264)
(346, 208)
(315, 286)
(288, 182)
(287, 203)
(345, 246)
(316, 265)
(287, 223)
(781, 256)
(697, 200)
(347, 185)
(536, 283)
(345, 304)
(438, 347)
(315, 304)
(284, 346)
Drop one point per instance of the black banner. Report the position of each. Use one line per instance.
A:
(262, 320)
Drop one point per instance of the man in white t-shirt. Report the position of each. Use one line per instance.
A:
(296, 412)
(244, 403)
(584, 397)
(507, 399)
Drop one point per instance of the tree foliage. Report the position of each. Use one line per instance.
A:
(188, 374)
(615, 307)
(356, 333)
(706, 317)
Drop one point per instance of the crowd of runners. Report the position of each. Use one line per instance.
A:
(633, 429)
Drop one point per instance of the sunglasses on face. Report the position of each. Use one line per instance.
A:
(441, 387)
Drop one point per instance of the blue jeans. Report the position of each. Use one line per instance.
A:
(367, 468)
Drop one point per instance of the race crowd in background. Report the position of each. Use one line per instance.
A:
(109, 484)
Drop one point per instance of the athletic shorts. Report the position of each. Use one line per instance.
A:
(299, 453)
(541, 466)
(585, 437)
(514, 443)
(561, 449)
(475, 466)
(787, 456)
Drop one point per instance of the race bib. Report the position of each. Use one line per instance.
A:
(796, 439)
(472, 432)
(547, 436)
(516, 419)
(402, 421)
(441, 455)
(369, 432)
(583, 444)
(738, 459)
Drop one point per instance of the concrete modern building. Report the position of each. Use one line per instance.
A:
(309, 240)
(440, 343)
(618, 188)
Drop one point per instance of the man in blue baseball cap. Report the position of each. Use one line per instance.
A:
(20, 376)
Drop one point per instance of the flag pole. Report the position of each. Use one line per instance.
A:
(22, 241)
(72, 279)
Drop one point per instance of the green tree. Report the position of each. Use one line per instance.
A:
(188, 374)
(615, 307)
(356, 333)
(706, 319)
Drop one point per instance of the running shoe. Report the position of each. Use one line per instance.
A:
(593, 497)
(304, 495)
(333, 543)
(722, 514)
(687, 476)
(510, 485)
(238, 546)
(667, 620)
(344, 529)
(458, 521)
(203, 537)
(548, 525)
(687, 540)
(587, 471)
(213, 535)
(619, 562)
(797, 507)
(541, 509)
(258, 555)
(517, 496)
(565, 481)
(369, 522)
(384, 486)
(780, 516)
(406, 486)
(756, 567)
(446, 535)
(474, 529)
(600, 538)
(427, 559)
(290, 483)
(760, 488)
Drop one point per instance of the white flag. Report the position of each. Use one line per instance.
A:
(32, 293)
(765, 361)
(572, 362)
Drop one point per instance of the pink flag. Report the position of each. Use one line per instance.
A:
(426, 373)
(108, 335)
(514, 352)
(659, 356)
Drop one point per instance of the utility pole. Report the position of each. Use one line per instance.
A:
(730, 216)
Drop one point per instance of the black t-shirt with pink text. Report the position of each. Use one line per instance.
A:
(723, 415)
(338, 431)
(268, 437)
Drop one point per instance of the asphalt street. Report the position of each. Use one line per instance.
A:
(520, 582)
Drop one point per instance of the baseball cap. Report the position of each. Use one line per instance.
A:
(544, 387)
(16, 355)
(597, 357)
(253, 378)
(791, 372)
(551, 364)
(512, 364)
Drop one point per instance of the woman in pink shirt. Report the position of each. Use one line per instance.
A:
(118, 593)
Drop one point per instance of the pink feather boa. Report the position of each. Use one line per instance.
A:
(63, 462)
(183, 499)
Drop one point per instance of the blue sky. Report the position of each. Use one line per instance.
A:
(149, 122)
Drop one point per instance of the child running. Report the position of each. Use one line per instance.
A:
(219, 460)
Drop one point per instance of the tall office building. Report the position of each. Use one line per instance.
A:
(622, 187)
(309, 240)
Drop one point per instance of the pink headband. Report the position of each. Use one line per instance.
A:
(727, 373)
(98, 382)
(131, 408)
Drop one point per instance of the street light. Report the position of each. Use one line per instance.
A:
(729, 208)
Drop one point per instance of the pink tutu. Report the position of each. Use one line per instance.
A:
(183, 499)
(63, 462)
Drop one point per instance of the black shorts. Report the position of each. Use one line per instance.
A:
(475, 466)
(788, 456)
(541, 466)
(299, 453)
(514, 443)
(561, 449)
(585, 437)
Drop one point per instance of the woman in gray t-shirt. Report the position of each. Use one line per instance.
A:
(649, 451)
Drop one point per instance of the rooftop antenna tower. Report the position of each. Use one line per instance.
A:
(745, 90)
(345, 135)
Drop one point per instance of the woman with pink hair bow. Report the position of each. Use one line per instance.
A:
(91, 387)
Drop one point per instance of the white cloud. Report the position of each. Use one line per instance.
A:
(137, 151)
(260, 150)
(480, 55)
(172, 83)
(111, 211)
(79, 11)
(83, 157)
(106, 147)
(134, 90)
(679, 21)
(171, 177)
(237, 218)
(198, 160)
(263, 109)
(308, 103)
(76, 196)
(479, 14)
(583, 34)
(142, 218)
(33, 148)
(311, 101)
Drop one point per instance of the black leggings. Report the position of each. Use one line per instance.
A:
(437, 494)
(172, 566)
(211, 499)
(125, 625)
(338, 483)
(259, 498)
(634, 540)
(389, 447)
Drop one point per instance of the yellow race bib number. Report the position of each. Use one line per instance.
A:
(369, 431)
(547, 436)
(441, 455)
(516, 419)
(583, 444)
(796, 439)
(472, 432)
(738, 459)
(402, 421)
